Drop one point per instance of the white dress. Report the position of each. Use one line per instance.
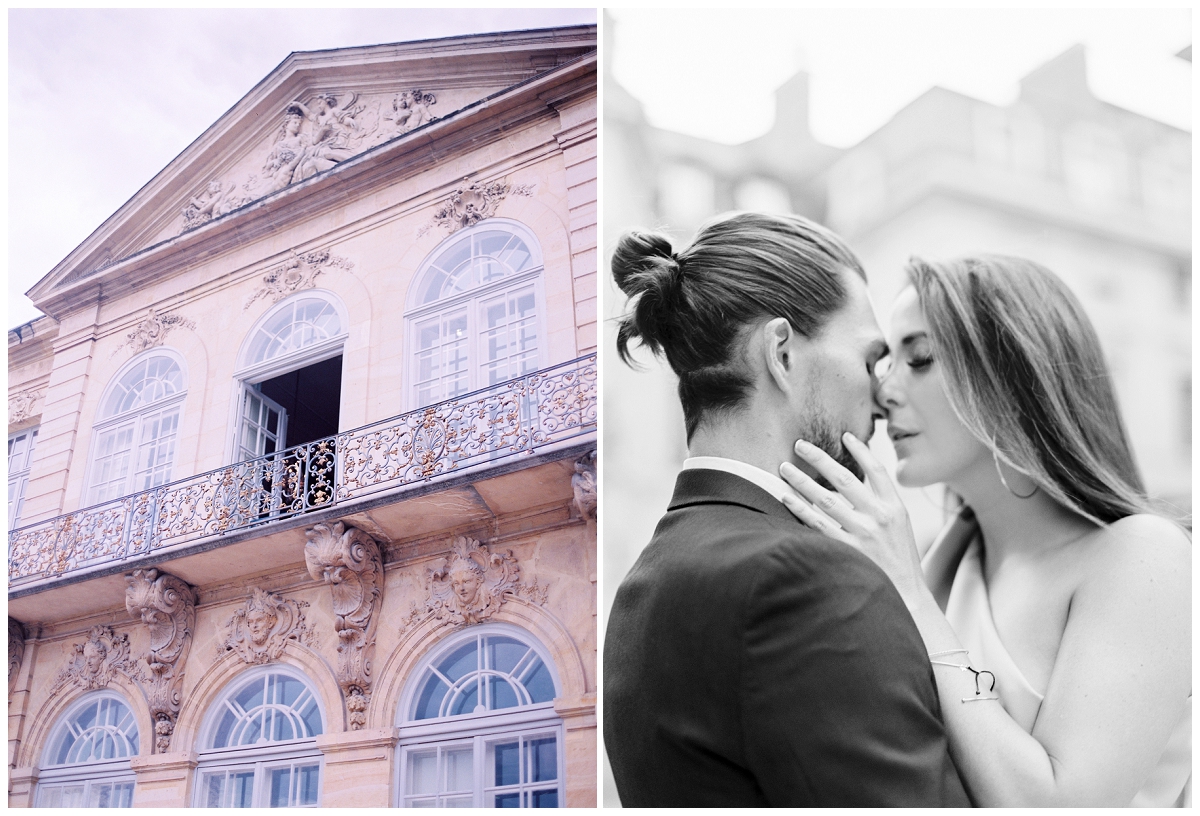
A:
(969, 612)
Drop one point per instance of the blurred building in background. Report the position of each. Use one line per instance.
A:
(1098, 194)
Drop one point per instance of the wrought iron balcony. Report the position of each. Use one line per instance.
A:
(482, 429)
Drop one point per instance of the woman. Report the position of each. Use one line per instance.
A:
(1055, 606)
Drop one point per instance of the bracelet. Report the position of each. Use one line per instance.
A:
(978, 698)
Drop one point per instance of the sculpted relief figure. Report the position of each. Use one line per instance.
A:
(314, 136)
(260, 630)
(410, 110)
(583, 485)
(471, 585)
(96, 660)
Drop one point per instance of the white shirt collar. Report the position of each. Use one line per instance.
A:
(769, 482)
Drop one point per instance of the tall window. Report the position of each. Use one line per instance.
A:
(259, 747)
(20, 456)
(86, 763)
(478, 725)
(475, 316)
(291, 371)
(135, 435)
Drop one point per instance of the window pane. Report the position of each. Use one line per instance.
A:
(422, 775)
(243, 789)
(502, 694)
(460, 769)
(214, 789)
(541, 760)
(508, 800)
(545, 799)
(430, 700)
(310, 776)
(539, 684)
(280, 779)
(458, 801)
(508, 757)
(461, 661)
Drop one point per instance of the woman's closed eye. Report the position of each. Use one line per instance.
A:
(920, 363)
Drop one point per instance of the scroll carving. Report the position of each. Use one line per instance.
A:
(470, 586)
(167, 605)
(20, 405)
(16, 649)
(298, 272)
(349, 562)
(153, 331)
(312, 137)
(583, 485)
(96, 661)
(472, 203)
(260, 629)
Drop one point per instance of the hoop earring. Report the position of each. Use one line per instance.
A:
(1004, 481)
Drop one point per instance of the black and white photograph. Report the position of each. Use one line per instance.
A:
(896, 386)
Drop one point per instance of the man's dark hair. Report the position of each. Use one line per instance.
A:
(692, 307)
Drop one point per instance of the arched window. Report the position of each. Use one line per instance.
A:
(258, 747)
(137, 426)
(478, 727)
(475, 314)
(290, 370)
(86, 763)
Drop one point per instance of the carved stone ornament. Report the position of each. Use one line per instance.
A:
(470, 586)
(472, 203)
(312, 137)
(583, 484)
(167, 605)
(260, 629)
(16, 649)
(153, 331)
(96, 661)
(298, 272)
(348, 560)
(20, 405)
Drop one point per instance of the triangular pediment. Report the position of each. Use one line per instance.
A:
(315, 112)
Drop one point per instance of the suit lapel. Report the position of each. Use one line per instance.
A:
(703, 486)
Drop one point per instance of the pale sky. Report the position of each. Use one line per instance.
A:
(712, 72)
(100, 101)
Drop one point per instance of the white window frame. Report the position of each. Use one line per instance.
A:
(18, 474)
(101, 426)
(89, 773)
(249, 373)
(472, 300)
(477, 730)
(261, 758)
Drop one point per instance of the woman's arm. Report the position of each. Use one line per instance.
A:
(1121, 676)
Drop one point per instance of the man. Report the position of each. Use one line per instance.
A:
(749, 660)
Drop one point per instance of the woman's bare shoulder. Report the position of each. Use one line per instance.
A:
(1143, 546)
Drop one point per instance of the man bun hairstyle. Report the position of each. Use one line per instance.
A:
(694, 307)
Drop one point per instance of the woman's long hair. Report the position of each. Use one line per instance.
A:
(1026, 376)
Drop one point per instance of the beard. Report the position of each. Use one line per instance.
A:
(819, 430)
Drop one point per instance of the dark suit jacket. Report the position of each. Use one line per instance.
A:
(750, 661)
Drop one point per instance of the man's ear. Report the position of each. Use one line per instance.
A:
(779, 346)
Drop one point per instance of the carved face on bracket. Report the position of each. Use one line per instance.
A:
(93, 656)
(259, 622)
(466, 582)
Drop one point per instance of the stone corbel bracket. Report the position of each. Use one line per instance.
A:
(16, 649)
(167, 606)
(349, 562)
(583, 485)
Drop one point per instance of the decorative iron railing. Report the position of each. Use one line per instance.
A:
(481, 429)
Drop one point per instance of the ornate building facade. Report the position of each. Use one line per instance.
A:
(302, 461)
